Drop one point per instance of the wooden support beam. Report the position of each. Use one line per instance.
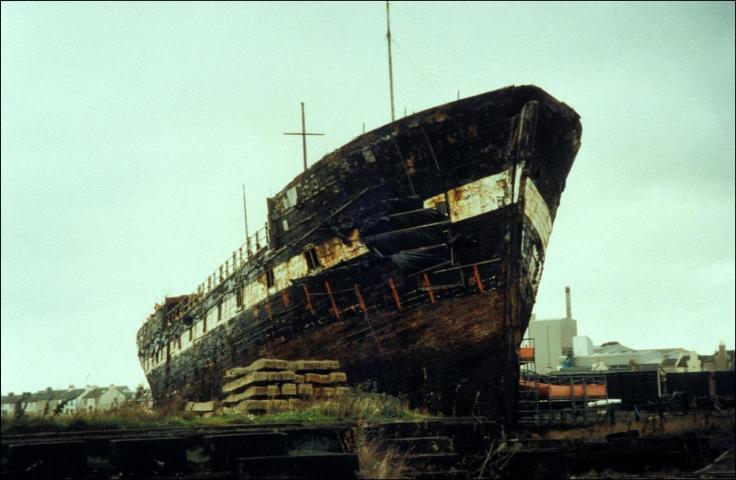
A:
(335, 310)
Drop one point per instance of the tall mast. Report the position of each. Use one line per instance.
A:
(390, 63)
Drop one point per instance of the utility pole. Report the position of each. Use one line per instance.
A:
(303, 134)
(390, 63)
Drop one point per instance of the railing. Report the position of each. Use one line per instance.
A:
(240, 257)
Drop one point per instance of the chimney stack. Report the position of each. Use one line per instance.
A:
(568, 304)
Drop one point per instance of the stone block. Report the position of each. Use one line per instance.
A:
(316, 378)
(236, 372)
(201, 407)
(268, 391)
(244, 381)
(314, 365)
(265, 364)
(324, 392)
(282, 376)
(234, 398)
(288, 389)
(256, 378)
(338, 377)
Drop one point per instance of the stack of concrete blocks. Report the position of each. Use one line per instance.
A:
(271, 385)
(202, 409)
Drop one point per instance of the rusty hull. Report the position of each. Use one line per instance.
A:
(396, 296)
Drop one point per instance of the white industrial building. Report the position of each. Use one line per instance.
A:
(552, 339)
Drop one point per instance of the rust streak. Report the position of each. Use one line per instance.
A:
(394, 292)
(332, 300)
(285, 297)
(476, 275)
(361, 302)
(429, 287)
(268, 309)
(309, 300)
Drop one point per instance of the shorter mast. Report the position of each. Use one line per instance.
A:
(303, 134)
(390, 63)
(245, 218)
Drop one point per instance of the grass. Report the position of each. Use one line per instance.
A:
(376, 460)
(358, 406)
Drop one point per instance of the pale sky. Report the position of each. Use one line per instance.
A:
(128, 128)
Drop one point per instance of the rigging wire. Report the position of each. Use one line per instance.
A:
(431, 83)
(356, 91)
(433, 32)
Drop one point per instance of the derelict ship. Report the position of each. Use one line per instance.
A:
(412, 255)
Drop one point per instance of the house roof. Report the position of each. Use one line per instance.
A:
(669, 362)
(610, 348)
(95, 393)
(70, 394)
(44, 395)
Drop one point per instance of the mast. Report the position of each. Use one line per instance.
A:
(303, 134)
(390, 63)
(245, 218)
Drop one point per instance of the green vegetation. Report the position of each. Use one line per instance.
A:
(363, 406)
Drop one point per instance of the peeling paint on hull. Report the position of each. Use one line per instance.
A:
(412, 255)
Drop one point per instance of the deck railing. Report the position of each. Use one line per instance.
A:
(242, 256)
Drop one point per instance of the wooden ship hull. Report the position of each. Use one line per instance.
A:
(412, 255)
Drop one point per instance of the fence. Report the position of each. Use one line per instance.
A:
(550, 399)
(240, 258)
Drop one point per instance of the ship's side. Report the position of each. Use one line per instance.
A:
(412, 255)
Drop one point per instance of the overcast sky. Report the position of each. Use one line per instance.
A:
(127, 130)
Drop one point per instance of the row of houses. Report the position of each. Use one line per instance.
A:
(72, 400)
(558, 348)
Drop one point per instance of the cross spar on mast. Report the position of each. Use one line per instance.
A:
(303, 134)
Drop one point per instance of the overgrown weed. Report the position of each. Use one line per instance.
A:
(368, 406)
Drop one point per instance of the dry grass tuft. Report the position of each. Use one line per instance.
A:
(375, 458)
